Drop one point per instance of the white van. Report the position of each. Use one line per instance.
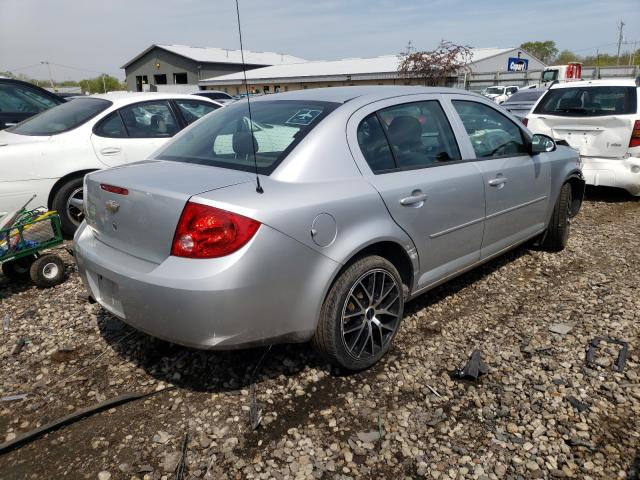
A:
(600, 119)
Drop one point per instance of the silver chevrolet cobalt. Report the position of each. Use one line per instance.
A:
(319, 216)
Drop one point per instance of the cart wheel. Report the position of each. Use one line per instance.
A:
(47, 271)
(18, 269)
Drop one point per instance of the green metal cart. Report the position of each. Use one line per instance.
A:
(25, 237)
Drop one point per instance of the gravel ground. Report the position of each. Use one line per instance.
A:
(406, 417)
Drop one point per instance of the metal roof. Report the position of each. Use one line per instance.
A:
(336, 70)
(221, 55)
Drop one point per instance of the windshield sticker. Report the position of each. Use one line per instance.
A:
(304, 117)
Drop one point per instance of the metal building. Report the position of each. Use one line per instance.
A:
(180, 67)
(368, 71)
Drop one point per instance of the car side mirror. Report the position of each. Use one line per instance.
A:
(541, 144)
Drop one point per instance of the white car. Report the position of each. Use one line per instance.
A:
(600, 119)
(498, 93)
(49, 154)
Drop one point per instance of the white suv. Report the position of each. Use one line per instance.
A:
(600, 119)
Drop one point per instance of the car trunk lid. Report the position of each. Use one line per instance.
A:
(604, 136)
(136, 208)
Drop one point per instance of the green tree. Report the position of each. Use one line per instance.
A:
(545, 51)
(567, 56)
(96, 85)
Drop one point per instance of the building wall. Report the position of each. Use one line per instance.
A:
(499, 62)
(171, 63)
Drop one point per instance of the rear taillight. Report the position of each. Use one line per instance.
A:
(635, 135)
(525, 120)
(208, 232)
(114, 189)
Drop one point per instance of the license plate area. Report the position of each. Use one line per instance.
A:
(107, 293)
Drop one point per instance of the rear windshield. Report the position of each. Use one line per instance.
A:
(524, 96)
(588, 101)
(222, 139)
(62, 118)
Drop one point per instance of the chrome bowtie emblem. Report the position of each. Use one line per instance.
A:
(112, 206)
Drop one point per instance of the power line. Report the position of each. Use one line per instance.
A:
(77, 68)
(23, 68)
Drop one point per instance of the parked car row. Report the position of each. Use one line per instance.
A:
(315, 214)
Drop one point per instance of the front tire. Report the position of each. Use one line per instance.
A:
(361, 314)
(68, 202)
(557, 234)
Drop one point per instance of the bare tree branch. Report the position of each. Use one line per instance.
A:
(434, 67)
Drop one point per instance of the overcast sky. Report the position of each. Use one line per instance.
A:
(100, 36)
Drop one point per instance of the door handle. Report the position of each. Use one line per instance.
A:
(416, 199)
(497, 182)
(10, 124)
(110, 151)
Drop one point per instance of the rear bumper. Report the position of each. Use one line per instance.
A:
(269, 291)
(613, 172)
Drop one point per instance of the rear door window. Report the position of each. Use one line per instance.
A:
(418, 135)
(374, 146)
(589, 101)
(111, 126)
(149, 120)
(491, 133)
(192, 110)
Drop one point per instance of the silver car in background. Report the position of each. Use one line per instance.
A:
(368, 197)
(520, 103)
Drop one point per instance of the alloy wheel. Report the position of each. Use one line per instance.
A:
(371, 313)
(75, 207)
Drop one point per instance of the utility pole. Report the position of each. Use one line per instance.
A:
(632, 55)
(104, 86)
(620, 37)
(49, 69)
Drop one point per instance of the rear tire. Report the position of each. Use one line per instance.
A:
(47, 271)
(70, 215)
(361, 314)
(18, 269)
(557, 233)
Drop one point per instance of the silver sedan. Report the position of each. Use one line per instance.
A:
(318, 215)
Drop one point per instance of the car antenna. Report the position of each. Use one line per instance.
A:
(246, 87)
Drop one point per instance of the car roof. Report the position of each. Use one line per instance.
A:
(344, 94)
(125, 98)
(610, 82)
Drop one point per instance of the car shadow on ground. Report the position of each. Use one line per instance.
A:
(608, 195)
(230, 371)
(204, 370)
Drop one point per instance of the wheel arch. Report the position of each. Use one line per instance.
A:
(577, 182)
(390, 250)
(62, 180)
